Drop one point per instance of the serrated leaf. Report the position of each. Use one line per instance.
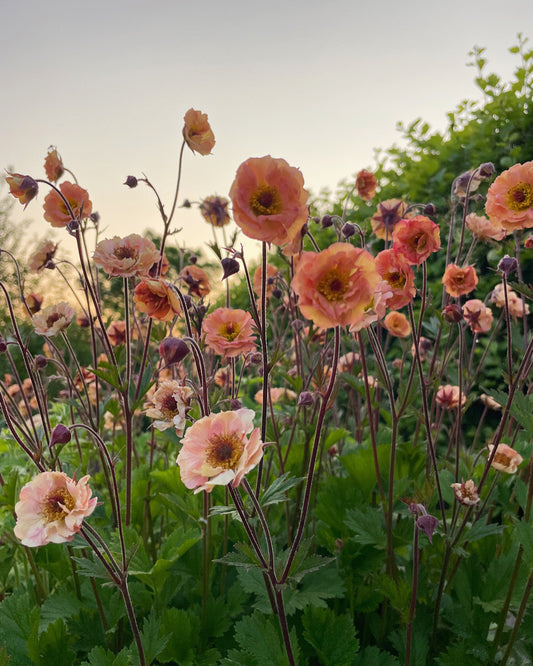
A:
(367, 526)
(331, 636)
(276, 491)
(99, 656)
(258, 636)
(153, 643)
(242, 556)
(19, 620)
(373, 656)
(52, 646)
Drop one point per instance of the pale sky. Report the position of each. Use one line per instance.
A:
(319, 83)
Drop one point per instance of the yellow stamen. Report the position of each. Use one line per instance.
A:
(224, 450)
(519, 197)
(266, 200)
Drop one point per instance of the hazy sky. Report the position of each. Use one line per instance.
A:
(319, 83)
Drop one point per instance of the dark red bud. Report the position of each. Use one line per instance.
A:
(173, 350)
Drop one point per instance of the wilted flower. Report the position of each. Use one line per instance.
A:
(217, 450)
(196, 280)
(366, 184)
(505, 459)
(335, 286)
(198, 133)
(53, 319)
(459, 281)
(510, 198)
(484, 229)
(157, 299)
(42, 255)
(215, 211)
(466, 492)
(229, 332)
(477, 315)
(397, 272)
(269, 200)
(34, 302)
(397, 324)
(461, 183)
(132, 256)
(170, 405)
(517, 307)
(448, 397)
(23, 188)
(387, 216)
(489, 402)
(52, 508)
(416, 238)
(53, 165)
(56, 211)
(116, 332)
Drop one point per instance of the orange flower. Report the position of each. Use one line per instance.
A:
(336, 286)
(485, 229)
(459, 281)
(510, 198)
(42, 255)
(397, 324)
(269, 200)
(196, 280)
(448, 397)
(198, 133)
(271, 273)
(53, 165)
(53, 319)
(229, 332)
(389, 213)
(157, 299)
(116, 332)
(56, 211)
(506, 459)
(396, 271)
(416, 239)
(366, 184)
(132, 256)
(215, 211)
(477, 315)
(23, 188)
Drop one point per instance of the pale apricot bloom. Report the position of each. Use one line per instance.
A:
(397, 272)
(366, 184)
(459, 281)
(376, 308)
(53, 165)
(52, 508)
(489, 402)
(506, 459)
(517, 308)
(347, 362)
(336, 286)
(116, 332)
(477, 315)
(217, 450)
(276, 394)
(42, 255)
(196, 280)
(215, 211)
(23, 188)
(132, 256)
(197, 132)
(53, 319)
(466, 492)
(387, 216)
(170, 405)
(484, 229)
(416, 238)
(448, 397)
(510, 198)
(157, 299)
(56, 211)
(271, 273)
(397, 324)
(223, 377)
(229, 332)
(269, 200)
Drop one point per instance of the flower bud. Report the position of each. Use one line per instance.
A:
(297, 325)
(40, 362)
(528, 243)
(507, 265)
(326, 221)
(347, 229)
(429, 209)
(333, 451)
(131, 181)
(73, 227)
(23, 188)
(486, 170)
(230, 266)
(173, 350)
(277, 293)
(305, 399)
(95, 217)
(186, 204)
(427, 524)
(256, 358)
(3, 346)
(235, 404)
(453, 314)
(60, 435)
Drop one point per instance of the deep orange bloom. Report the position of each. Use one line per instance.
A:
(448, 397)
(485, 229)
(269, 200)
(387, 216)
(229, 332)
(23, 188)
(366, 184)
(397, 324)
(196, 280)
(510, 198)
(477, 315)
(157, 299)
(132, 256)
(56, 211)
(53, 165)
(397, 272)
(215, 211)
(459, 281)
(335, 287)
(198, 133)
(416, 238)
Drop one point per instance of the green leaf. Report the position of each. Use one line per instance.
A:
(367, 526)
(153, 642)
(52, 646)
(331, 636)
(258, 636)
(372, 656)
(244, 557)
(19, 620)
(276, 491)
(182, 629)
(99, 656)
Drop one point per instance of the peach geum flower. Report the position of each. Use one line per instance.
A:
(397, 324)
(196, 280)
(229, 332)
(387, 216)
(56, 211)
(466, 492)
(366, 184)
(506, 459)
(276, 394)
(170, 405)
(416, 238)
(477, 315)
(116, 332)
(269, 200)
(42, 255)
(23, 188)
(397, 272)
(53, 319)
(198, 133)
(132, 256)
(157, 299)
(52, 508)
(484, 229)
(53, 165)
(336, 286)
(448, 397)
(510, 198)
(215, 211)
(217, 450)
(459, 281)
(517, 307)
(271, 273)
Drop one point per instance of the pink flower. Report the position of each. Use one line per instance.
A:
(459, 281)
(196, 280)
(269, 200)
(505, 459)
(448, 397)
(416, 238)
(335, 287)
(510, 198)
(229, 332)
(53, 165)
(170, 405)
(397, 272)
(56, 211)
(53, 319)
(198, 133)
(217, 451)
(466, 492)
(484, 229)
(132, 256)
(276, 394)
(477, 315)
(52, 508)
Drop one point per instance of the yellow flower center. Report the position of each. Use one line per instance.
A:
(396, 279)
(266, 200)
(230, 331)
(224, 450)
(519, 197)
(333, 285)
(125, 253)
(54, 502)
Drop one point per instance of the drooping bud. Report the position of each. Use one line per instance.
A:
(235, 404)
(3, 346)
(230, 266)
(507, 265)
(487, 169)
(453, 314)
(305, 399)
(326, 221)
(427, 524)
(40, 362)
(347, 229)
(60, 435)
(429, 209)
(23, 188)
(131, 181)
(173, 350)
